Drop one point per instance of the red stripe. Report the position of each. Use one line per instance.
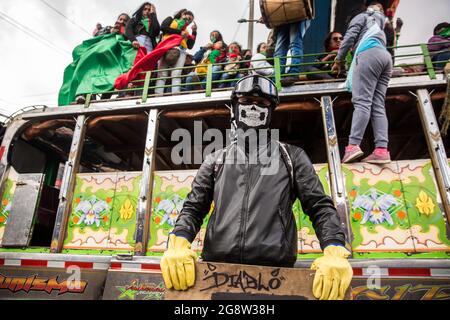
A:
(33, 263)
(116, 265)
(82, 265)
(417, 272)
(2, 262)
(2, 151)
(150, 267)
(357, 272)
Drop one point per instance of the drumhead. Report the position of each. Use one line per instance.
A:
(280, 12)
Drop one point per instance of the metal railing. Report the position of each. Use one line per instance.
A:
(217, 78)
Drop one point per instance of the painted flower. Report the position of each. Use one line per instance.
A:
(401, 215)
(126, 211)
(424, 203)
(171, 207)
(375, 207)
(5, 212)
(91, 210)
(397, 193)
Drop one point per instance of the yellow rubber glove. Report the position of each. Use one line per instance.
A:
(333, 274)
(178, 264)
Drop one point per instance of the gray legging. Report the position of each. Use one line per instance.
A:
(370, 81)
(174, 74)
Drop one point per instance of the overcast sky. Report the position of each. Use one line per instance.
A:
(33, 55)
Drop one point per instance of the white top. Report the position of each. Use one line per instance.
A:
(268, 71)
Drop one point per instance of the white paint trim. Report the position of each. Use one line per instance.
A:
(100, 266)
(56, 264)
(333, 15)
(440, 273)
(15, 263)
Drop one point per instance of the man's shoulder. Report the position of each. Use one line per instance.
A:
(298, 156)
(292, 149)
(215, 156)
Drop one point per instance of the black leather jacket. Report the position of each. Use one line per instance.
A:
(252, 221)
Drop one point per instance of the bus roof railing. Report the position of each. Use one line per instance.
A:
(217, 77)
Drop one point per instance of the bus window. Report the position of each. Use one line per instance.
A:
(296, 126)
(30, 197)
(105, 197)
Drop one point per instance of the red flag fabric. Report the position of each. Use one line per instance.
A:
(148, 62)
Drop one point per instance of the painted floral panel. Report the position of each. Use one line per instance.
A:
(424, 206)
(378, 215)
(308, 242)
(101, 217)
(170, 189)
(123, 219)
(7, 198)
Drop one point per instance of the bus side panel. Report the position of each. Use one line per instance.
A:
(51, 283)
(378, 214)
(123, 224)
(6, 202)
(424, 206)
(169, 192)
(308, 242)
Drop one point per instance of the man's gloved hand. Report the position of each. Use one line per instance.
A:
(178, 264)
(333, 274)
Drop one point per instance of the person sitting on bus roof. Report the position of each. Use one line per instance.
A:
(246, 57)
(189, 68)
(332, 44)
(259, 63)
(118, 28)
(368, 80)
(231, 69)
(439, 45)
(98, 27)
(213, 52)
(143, 27)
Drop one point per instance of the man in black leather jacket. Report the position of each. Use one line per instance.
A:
(253, 183)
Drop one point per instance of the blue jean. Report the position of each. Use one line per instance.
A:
(226, 76)
(215, 77)
(290, 38)
(443, 56)
(194, 77)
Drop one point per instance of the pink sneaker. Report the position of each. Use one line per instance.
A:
(378, 156)
(352, 153)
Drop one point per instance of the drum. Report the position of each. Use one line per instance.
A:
(279, 12)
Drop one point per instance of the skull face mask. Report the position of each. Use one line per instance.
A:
(252, 116)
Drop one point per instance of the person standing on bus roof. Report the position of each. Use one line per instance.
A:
(177, 55)
(368, 80)
(143, 28)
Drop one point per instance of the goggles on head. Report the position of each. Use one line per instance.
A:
(256, 85)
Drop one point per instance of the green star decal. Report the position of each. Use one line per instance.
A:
(126, 293)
